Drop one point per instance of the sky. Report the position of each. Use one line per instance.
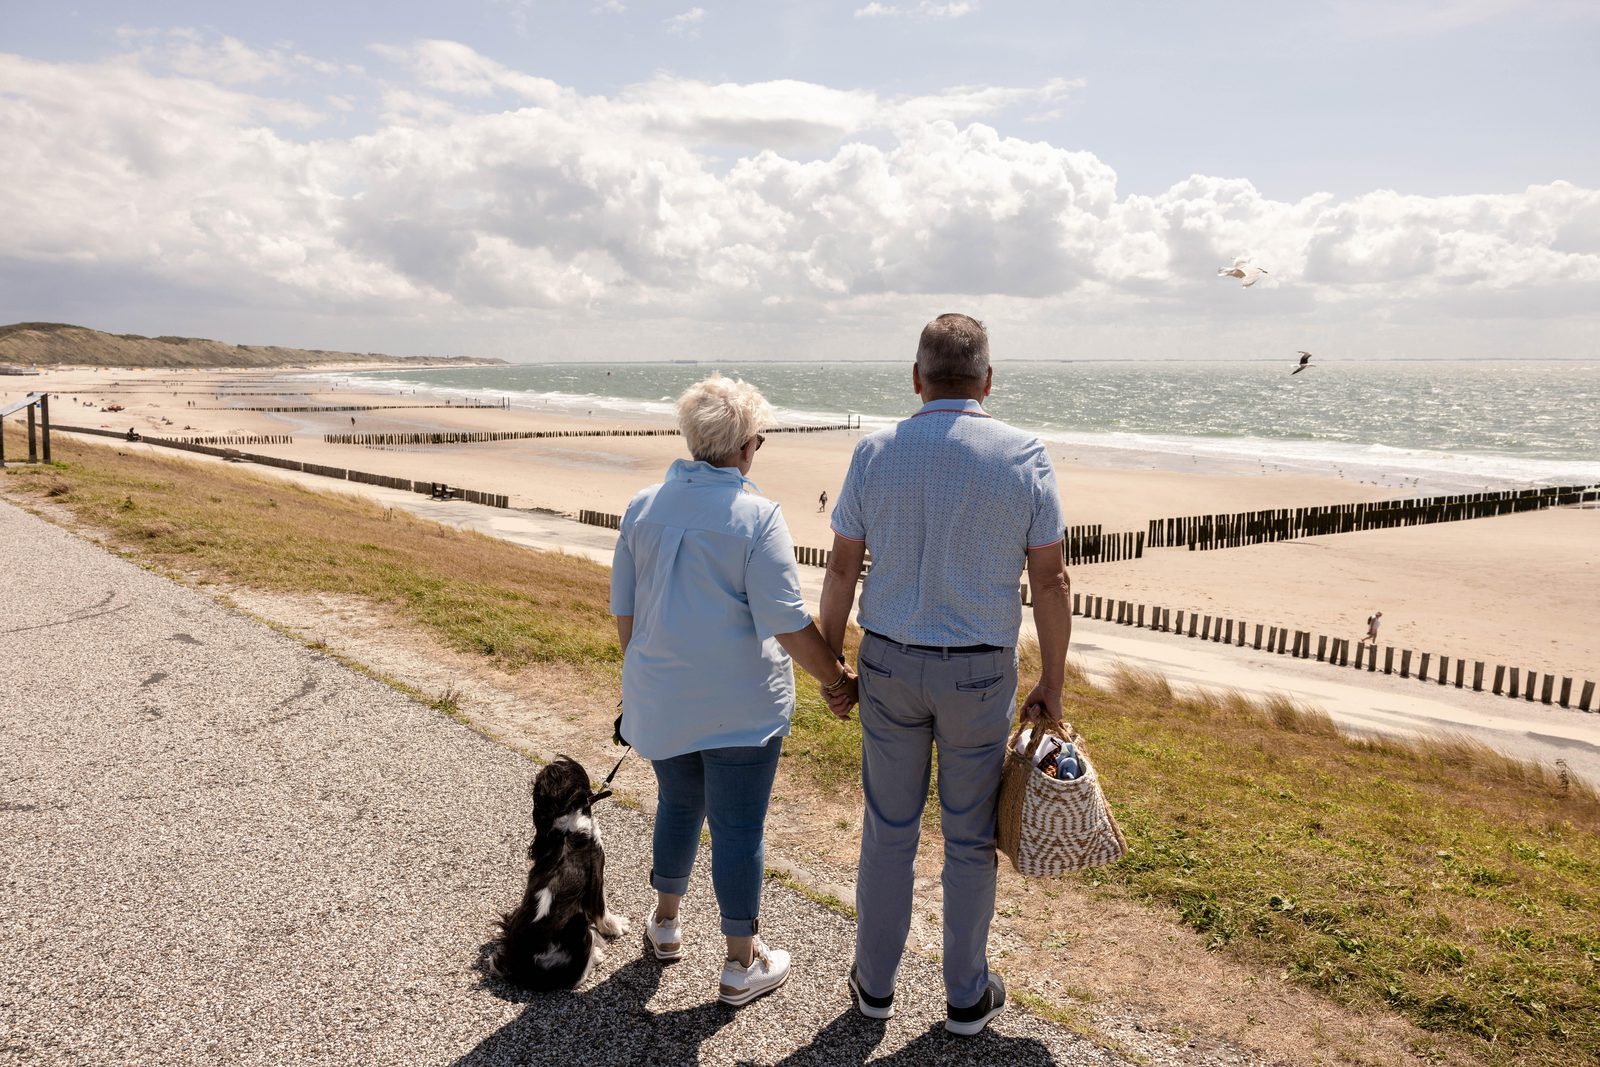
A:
(619, 179)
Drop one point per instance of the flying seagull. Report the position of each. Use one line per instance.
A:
(1305, 361)
(1242, 270)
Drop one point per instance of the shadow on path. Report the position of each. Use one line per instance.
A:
(610, 1024)
(600, 1026)
(851, 1038)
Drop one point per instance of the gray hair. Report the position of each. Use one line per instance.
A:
(718, 415)
(953, 351)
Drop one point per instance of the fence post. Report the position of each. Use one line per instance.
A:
(1499, 678)
(1477, 676)
(1461, 668)
(1533, 679)
(1588, 694)
(1544, 692)
(1516, 678)
(1283, 640)
(1257, 645)
(1322, 648)
(1194, 623)
(1566, 693)
(1405, 664)
(1205, 631)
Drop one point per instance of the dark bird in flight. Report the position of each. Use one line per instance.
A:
(1305, 361)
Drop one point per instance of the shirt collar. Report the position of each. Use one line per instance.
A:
(698, 470)
(960, 407)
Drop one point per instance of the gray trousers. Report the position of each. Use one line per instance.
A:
(911, 702)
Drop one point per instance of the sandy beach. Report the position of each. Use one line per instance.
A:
(1513, 590)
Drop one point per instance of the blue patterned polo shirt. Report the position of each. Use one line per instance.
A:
(948, 503)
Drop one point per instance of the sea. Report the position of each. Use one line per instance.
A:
(1432, 426)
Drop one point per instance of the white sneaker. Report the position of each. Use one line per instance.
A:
(768, 970)
(665, 937)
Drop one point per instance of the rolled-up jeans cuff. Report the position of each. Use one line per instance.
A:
(740, 927)
(675, 887)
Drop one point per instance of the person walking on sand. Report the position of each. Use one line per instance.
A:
(952, 504)
(822, 502)
(709, 611)
(1373, 621)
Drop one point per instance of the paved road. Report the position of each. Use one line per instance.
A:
(222, 847)
(1362, 702)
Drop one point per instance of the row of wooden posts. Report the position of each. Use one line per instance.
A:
(1509, 681)
(1282, 524)
(1442, 670)
(470, 405)
(1284, 641)
(481, 436)
(1083, 544)
(238, 439)
(1088, 544)
(437, 490)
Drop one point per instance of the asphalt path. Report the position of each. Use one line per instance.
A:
(221, 846)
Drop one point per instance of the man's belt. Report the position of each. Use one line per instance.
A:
(951, 650)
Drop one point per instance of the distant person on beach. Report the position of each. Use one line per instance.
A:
(822, 502)
(1373, 621)
(937, 665)
(709, 611)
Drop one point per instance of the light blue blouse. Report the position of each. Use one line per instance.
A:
(707, 571)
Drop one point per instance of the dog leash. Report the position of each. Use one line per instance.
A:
(616, 739)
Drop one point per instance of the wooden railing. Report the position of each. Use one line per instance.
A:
(37, 406)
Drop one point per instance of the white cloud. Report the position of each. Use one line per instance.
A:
(926, 9)
(688, 23)
(480, 190)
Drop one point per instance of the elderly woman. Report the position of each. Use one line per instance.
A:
(709, 611)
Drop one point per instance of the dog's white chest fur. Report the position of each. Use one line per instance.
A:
(578, 824)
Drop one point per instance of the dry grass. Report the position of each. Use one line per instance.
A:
(1439, 880)
(1447, 881)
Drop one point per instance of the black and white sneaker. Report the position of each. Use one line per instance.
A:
(870, 1006)
(969, 1021)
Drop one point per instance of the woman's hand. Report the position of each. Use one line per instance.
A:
(843, 698)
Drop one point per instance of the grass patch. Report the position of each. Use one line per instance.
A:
(1441, 881)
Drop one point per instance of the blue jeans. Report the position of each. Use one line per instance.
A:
(730, 788)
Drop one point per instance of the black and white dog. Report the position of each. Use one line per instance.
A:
(548, 941)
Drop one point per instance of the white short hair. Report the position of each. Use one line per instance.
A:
(718, 415)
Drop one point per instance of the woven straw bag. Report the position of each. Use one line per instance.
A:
(1049, 826)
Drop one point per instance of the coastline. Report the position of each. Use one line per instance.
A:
(1510, 589)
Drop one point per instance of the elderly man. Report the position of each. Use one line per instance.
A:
(951, 503)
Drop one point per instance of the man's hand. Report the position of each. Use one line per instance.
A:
(1043, 705)
(841, 700)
